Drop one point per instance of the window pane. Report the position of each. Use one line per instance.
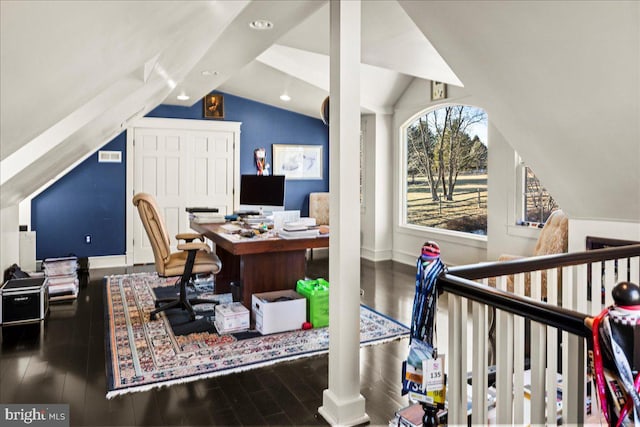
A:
(446, 179)
(538, 203)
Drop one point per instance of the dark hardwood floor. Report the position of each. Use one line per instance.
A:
(65, 363)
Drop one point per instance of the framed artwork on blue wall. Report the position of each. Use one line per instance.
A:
(297, 161)
(213, 106)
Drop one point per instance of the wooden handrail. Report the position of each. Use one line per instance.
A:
(545, 262)
(561, 318)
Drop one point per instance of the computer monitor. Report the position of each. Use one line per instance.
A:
(262, 193)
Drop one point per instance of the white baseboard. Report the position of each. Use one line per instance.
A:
(404, 257)
(373, 255)
(108, 261)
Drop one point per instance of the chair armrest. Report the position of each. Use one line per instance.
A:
(191, 246)
(189, 237)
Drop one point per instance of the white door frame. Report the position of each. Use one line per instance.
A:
(186, 124)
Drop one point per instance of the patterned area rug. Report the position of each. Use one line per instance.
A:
(144, 354)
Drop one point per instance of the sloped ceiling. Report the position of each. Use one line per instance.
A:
(74, 74)
(560, 80)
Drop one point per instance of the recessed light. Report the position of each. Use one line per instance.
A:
(285, 97)
(183, 97)
(261, 24)
(209, 73)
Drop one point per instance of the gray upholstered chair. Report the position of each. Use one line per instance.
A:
(193, 258)
(319, 209)
(553, 239)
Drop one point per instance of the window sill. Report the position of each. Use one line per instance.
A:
(460, 238)
(524, 231)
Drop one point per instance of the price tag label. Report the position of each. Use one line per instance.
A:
(433, 374)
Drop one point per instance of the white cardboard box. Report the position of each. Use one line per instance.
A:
(278, 311)
(233, 317)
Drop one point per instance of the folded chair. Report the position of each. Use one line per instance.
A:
(193, 258)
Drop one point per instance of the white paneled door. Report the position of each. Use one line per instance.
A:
(183, 163)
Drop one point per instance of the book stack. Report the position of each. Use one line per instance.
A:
(297, 230)
(205, 215)
(62, 278)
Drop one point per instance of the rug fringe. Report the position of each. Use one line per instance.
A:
(237, 370)
(148, 387)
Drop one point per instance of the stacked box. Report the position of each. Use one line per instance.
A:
(278, 311)
(62, 277)
(317, 294)
(229, 318)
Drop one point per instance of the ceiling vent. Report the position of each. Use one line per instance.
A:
(109, 156)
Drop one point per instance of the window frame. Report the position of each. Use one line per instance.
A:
(520, 201)
(462, 237)
(516, 213)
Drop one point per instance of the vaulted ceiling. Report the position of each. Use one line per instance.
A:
(560, 80)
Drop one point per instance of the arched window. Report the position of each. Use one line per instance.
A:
(446, 169)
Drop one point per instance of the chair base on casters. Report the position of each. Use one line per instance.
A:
(187, 304)
(182, 302)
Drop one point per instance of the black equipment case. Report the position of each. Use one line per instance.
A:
(24, 301)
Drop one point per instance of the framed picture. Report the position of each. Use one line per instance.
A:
(213, 106)
(438, 90)
(297, 161)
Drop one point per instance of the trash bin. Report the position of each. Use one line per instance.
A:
(317, 294)
(236, 291)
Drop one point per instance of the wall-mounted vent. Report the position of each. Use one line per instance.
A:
(109, 157)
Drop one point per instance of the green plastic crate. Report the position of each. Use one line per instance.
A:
(317, 294)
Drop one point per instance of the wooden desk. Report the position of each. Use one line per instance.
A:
(258, 264)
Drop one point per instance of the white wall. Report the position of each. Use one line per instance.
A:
(376, 212)
(461, 248)
(10, 242)
(580, 229)
(504, 236)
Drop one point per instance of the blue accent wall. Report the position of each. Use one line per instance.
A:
(262, 126)
(91, 199)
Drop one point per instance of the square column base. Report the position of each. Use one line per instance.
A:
(339, 412)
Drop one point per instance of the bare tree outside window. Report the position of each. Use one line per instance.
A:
(446, 182)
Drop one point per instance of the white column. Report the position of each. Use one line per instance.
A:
(378, 189)
(342, 403)
(383, 187)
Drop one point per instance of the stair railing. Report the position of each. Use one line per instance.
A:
(578, 286)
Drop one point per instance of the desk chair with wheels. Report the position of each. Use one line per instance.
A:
(194, 257)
